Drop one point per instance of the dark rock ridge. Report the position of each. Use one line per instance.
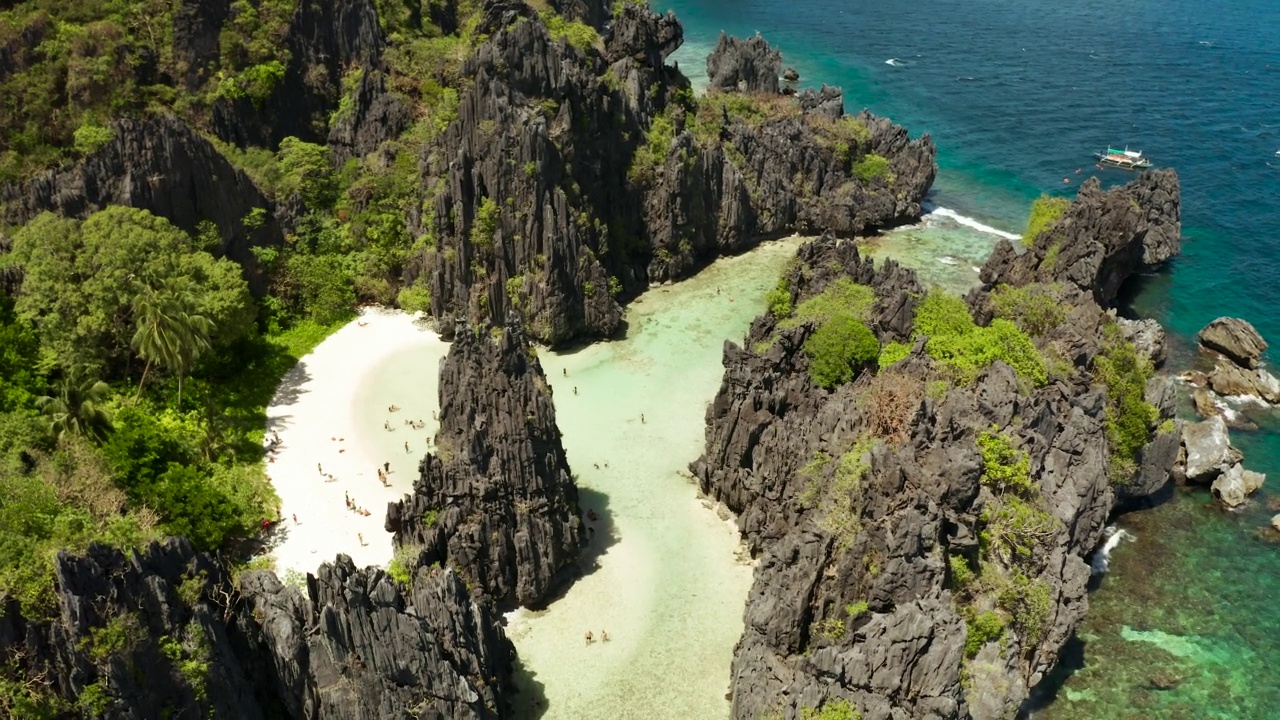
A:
(159, 164)
(542, 141)
(745, 65)
(1234, 348)
(862, 502)
(169, 632)
(496, 500)
(1102, 239)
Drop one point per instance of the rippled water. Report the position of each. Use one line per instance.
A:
(1018, 95)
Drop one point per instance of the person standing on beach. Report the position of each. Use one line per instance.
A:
(406, 446)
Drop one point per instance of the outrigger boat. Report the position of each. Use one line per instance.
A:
(1125, 159)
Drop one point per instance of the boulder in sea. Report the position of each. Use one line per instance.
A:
(744, 65)
(1275, 523)
(1208, 448)
(1234, 338)
(791, 75)
(1231, 379)
(1235, 486)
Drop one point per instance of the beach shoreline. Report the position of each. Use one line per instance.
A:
(334, 437)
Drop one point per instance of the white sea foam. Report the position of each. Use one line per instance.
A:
(948, 260)
(1102, 558)
(968, 222)
(894, 62)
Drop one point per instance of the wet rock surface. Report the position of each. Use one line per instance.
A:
(169, 631)
(496, 500)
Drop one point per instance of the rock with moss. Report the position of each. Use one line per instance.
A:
(957, 521)
(1100, 240)
(496, 500)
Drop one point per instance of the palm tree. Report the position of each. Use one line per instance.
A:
(169, 330)
(77, 407)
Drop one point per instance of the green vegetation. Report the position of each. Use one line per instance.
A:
(966, 349)
(982, 628)
(778, 300)
(1004, 468)
(1045, 211)
(893, 352)
(871, 167)
(832, 629)
(1035, 308)
(834, 486)
(853, 610)
(579, 35)
(405, 560)
(843, 297)
(833, 710)
(651, 154)
(838, 349)
(1129, 416)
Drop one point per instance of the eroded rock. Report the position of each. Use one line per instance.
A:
(496, 500)
(1208, 449)
(1234, 338)
(1234, 486)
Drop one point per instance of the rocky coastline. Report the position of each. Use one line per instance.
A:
(903, 570)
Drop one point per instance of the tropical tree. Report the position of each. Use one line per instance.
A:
(77, 407)
(169, 330)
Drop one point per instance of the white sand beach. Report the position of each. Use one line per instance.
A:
(331, 414)
(665, 574)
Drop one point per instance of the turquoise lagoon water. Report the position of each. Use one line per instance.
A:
(1017, 96)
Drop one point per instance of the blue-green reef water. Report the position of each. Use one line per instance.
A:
(1018, 95)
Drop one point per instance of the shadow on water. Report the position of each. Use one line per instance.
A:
(1070, 662)
(600, 535)
(532, 701)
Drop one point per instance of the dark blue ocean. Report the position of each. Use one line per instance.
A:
(1017, 96)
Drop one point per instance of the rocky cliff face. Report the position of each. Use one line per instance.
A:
(1101, 240)
(159, 164)
(896, 573)
(496, 500)
(746, 65)
(168, 632)
(530, 209)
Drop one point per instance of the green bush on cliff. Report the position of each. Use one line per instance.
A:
(838, 349)
(1034, 308)
(893, 352)
(982, 628)
(651, 154)
(1004, 467)
(832, 710)
(1129, 416)
(1045, 211)
(966, 349)
(578, 34)
(841, 297)
(871, 167)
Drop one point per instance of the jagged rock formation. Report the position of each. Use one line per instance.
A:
(1101, 240)
(530, 210)
(1235, 339)
(1234, 348)
(745, 65)
(169, 632)
(866, 503)
(496, 500)
(159, 164)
